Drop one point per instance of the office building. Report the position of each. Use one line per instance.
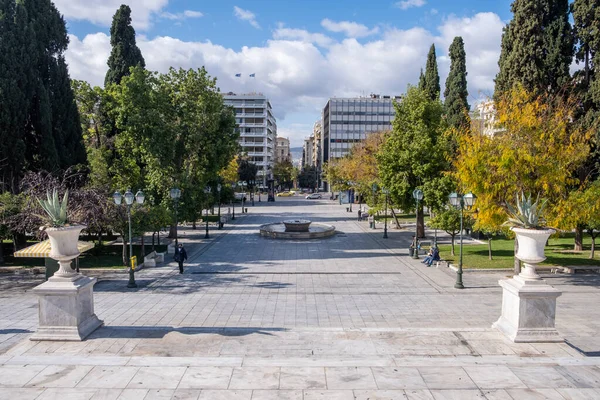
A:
(307, 152)
(258, 130)
(347, 121)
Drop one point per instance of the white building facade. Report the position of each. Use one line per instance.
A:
(258, 130)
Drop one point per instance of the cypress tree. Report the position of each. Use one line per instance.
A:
(422, 83)
(537, 46)
(39, 126)
(455, 96)
(124, 53)
(14, 64)
(432, 77)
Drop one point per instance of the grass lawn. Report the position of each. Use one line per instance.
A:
(559, 252)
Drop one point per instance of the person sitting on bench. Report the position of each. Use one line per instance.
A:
(434, 255)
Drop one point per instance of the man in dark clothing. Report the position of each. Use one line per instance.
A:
(180, 256)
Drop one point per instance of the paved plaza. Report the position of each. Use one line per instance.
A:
(349, 317)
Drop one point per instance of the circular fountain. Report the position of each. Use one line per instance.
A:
(297, 229)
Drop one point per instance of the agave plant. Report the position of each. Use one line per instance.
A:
(55, 209)
(526, 215)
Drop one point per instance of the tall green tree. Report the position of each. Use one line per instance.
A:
(39, 120)
(537, 47)
(422, 83)
(14, 91)
(175, 131)
(455, 96)
(414, 154)
(432, 77)
(125, 53)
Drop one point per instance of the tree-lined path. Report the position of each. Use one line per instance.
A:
(253, 318)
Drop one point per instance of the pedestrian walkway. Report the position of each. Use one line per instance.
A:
(350, 317)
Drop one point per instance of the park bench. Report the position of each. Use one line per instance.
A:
(154, 258)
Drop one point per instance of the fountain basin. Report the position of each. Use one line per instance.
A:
(297, 225)
(280, 230)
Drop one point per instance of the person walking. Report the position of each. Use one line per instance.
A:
(180, 256)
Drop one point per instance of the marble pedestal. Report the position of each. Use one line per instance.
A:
(528, 311)
(66, 308)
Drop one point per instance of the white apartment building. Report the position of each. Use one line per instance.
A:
(485, 116)
(258, 130)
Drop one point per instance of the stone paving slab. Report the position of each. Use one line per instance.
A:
(351, 317)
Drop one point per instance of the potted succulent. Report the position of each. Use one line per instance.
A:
(526, 222)
(63, 236)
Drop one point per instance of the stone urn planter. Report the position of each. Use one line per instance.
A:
(66, 300)
(63, 247)
(528, 302)
(531, 244)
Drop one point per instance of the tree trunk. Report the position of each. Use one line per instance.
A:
(125, 252)
(578, 238)
(143, 247)
(158, 237)
(517, 262)
(153, 235)
(452, 248)
(172, 231)
(194, 224)
(593, 250)
(395, 218)
(1, 252)
(420, 223)
(490, 248)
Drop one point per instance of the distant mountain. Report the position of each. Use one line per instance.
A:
(296, 153)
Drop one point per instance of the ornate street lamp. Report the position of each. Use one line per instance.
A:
(233, 185)
(418, 196)
(374, 189)
(129, 198)
(460, 202)
(385, 233)
(207, 191)
(244, 184)
(175, 195)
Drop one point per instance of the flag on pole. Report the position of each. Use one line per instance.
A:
(252, 75)
(238, 75)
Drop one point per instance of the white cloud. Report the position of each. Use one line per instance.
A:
(246, 15)
(406, 4)
(350, 29)
(299, 70)
(302, 35)
(181, 16)
(101, 12)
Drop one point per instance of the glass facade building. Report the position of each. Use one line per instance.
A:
(347, 121)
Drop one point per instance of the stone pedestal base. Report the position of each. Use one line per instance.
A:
(528, 311)
(66, 308)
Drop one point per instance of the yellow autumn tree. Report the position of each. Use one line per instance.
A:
(536, 150)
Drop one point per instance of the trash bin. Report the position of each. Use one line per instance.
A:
(347, 209)
(411, 251)
(245, 210)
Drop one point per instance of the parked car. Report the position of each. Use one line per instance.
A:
(313, 196)
(285, 194)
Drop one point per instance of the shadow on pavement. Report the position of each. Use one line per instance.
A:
(158, 332)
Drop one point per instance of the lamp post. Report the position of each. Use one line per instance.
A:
(219, 201)
(175, 195)
(386, 192)
(418, 196)
(244, 185)
(252, 186)
(207, 191)
(233, 185)
(129, 197)
(460, 201)
(374, 190)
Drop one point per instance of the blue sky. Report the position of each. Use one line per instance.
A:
(302, 52)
